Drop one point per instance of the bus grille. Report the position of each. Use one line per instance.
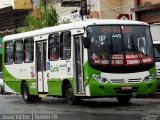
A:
(137, 80)
(117, 81)
(120, 81)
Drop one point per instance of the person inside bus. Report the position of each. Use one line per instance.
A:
(54, 56)
(29, 56)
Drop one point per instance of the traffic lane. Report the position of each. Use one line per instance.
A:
(90, 108)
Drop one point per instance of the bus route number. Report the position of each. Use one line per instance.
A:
(116, 36)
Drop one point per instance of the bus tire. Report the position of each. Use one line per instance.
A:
(69, 95)
(26, 95)
(124, 99)
(1, 89)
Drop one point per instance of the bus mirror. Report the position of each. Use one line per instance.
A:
(86, 42)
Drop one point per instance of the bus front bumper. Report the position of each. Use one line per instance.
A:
(109, 89)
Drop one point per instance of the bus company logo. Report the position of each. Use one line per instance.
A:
(54, 68)
(32, 72)
(33, 85)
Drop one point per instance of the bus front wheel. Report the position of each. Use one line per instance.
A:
(26, 95)
(124, 99)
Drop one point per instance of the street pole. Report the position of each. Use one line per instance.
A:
(84, 10)
(44, 1)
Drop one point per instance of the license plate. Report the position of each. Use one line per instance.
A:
(126, 88)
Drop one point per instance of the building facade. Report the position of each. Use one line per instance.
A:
(103, 9)
(13, 14)
(111, 9)
(147, 11)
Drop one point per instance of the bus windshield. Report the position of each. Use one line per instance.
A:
(120, 46)
(157, 52)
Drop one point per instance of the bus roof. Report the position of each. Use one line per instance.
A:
(75, 25)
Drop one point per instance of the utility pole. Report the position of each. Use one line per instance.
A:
(83, 10)
(44, 1)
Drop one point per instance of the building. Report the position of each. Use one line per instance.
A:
(142, 10)
(112, 9)
(147, 11)
(104, 9)
(13, 14)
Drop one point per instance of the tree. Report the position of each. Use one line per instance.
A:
(48, 18)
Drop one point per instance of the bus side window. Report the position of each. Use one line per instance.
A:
(53, 51)
(28, 50)
(9, 52)
(18, 55)
(65, 45)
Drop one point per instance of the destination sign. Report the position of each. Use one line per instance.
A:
(112, 29)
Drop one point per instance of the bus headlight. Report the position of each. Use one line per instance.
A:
(100, 79)
(149, 77)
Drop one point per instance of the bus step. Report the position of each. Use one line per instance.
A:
(42, 95)
(80, 94)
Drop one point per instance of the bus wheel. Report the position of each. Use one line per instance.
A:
(124, 99)
(1, 91)
(71, 99)
(26, 95)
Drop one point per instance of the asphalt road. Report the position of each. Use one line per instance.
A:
(12, 107)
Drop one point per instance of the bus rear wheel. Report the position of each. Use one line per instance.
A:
(26, 95)
(69, 95)
(124, 99)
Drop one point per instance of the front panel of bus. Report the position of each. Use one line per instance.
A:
(156, 46)
(120, 60)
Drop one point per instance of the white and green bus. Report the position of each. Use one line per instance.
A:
(85, 59)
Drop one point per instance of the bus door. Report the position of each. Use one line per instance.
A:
(41, 49)
(78, 60)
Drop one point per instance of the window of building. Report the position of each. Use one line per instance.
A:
(53, 47)
(18, 55)
(9, 52)
(65, 45)
(28, 50)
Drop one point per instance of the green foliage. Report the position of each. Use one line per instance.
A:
(48, 18)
